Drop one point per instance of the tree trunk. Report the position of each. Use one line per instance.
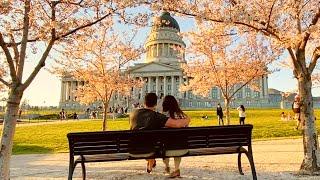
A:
(311, 161)
(10, 120)
(104, 122)
(227, 107)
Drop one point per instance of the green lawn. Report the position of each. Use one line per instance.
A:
(51, 138)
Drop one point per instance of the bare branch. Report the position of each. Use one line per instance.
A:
(83, 26)
(263, 30)
(244, 84)
(4, 82)
(15, 51)
(18, 43)
(307, 34)
(269, 18)
(40, 64)
(9, 58)
(315, 57)
(24, 41)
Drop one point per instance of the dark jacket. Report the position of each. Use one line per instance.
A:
(219, 111)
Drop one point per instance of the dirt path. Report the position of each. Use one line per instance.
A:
(274, 159)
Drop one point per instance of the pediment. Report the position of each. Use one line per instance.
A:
(154, 67)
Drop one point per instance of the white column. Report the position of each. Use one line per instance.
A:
(164, 86)
(172, 86)
(244, 92)
(266, 85)
(180, 84)
(157, 54)
(149, 84)
(142, 89)
(71, 90)
(67, 90)
(157, 85)
(187, 93)
(118, 97)
(261, 87)
(163, 50)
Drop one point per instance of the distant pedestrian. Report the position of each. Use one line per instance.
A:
(283, 117)
(75, 116)
(296, 108)
(242, 114)
(20, 113)
(62, 114)
(220, 115)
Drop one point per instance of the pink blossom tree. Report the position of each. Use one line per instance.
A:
(290, 26)
(96, 60)
(26, 24)
(216, 60)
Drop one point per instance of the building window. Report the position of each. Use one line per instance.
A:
(248, 103)
(177, 79)
(248, 93)
(154, 87)
(169, 87)
(161, 87)
(256, 94)
(214, 93)
(213, 103)
(239, 94)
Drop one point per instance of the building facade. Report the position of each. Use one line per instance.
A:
(163, 75)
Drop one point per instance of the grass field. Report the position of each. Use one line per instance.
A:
(51, 138)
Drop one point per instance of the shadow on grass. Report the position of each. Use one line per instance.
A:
(30, 149)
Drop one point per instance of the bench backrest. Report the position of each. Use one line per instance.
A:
(108, 142)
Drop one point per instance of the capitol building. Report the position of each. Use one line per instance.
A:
(162, 73)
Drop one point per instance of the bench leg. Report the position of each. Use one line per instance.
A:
(253, 169)
(83, 167)
(72, 166)
(239, 164)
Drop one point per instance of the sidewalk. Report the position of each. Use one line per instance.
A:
(274, 159)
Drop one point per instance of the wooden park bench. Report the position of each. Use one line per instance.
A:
(87, 147)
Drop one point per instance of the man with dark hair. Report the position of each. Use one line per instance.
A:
(148, 118)
(220, 114)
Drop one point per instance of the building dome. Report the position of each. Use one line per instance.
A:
(166, 20)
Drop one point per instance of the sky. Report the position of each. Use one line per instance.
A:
(46, 87)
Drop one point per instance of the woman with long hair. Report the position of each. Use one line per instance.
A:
(242, 114)
(171, 108)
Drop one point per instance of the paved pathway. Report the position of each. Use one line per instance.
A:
(274, 159)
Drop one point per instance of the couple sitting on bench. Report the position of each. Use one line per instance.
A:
(148, 118)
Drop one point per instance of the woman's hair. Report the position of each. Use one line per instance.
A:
(242, 107)
(171, 106)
